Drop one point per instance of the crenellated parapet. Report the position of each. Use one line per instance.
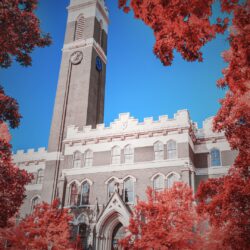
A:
(128, 125)
(206, 132)
(31, 155)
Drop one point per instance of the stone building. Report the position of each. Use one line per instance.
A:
(98, 171)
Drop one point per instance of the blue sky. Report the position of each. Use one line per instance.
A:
(136, 80)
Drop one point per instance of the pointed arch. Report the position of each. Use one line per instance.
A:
(171, 178)
(73, 194)
(86, 180)
(129, 190)
(84, 196)
(158, 181)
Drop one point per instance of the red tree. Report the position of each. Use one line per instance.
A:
(185, 26)
(19, 31)
(12, 179)
(46, 228)
(177, 25)
(167, 220)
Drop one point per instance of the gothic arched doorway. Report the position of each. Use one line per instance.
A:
(118, 234)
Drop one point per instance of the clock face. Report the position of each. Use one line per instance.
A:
(76, 57)
(98, 64)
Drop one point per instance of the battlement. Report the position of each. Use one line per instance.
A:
(30, 155)
(207, 129)
(128, 124)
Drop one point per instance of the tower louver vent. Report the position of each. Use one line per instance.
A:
(79, 27)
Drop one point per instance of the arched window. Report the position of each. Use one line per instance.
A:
(88, 158)
(77, 161)
(111, 187)
(79, 27)
(35, 201)
(73, 196)
(85, 193)
(171, 179)
(40, 175)
(83, 235)
(171, 150)
(129, 191)
(215, 157)
(159, 150)
(116, 155)
(158, 183)
(128, 154)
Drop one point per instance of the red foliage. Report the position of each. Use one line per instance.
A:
(229, 197)
(185, 26)
(48, 226)
(9, 109)
(227, 200)
(167, 220)
(12, 179)
(19, 31)
(178, 25)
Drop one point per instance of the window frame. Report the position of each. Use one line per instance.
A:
(159, 151)
(116, 156)
(39, 178)
(170, 150)
(211, 159)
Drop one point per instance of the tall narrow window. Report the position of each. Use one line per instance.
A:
(171, 150)
(128, 154)
(158, 183)
(85, 193)
(40, 175)
(73, 197)
(111, 187)
(83, 235)
(35, 201)
(88, 158)
(171, 179)
(215, 157)
(79, 27)
(77, 161)
(129, 191)
(159, 150)
(116, 155)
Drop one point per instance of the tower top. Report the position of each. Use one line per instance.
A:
(79, 4)
(89, 8)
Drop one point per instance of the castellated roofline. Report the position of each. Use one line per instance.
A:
(125, 124)
(128, 124)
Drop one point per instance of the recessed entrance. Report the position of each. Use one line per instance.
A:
(118, 234)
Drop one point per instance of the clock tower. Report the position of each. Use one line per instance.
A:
(81, 85)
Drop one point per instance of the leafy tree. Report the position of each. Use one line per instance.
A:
(19, 34)
(19, 31)
(12, 179)
(46, 228)
(167, 220)
(185, 26)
